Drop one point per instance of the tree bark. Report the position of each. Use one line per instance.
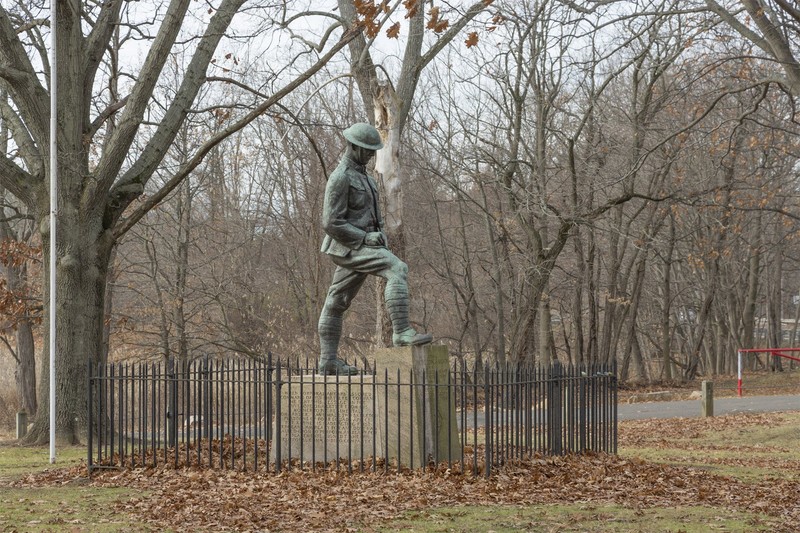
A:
(666, 304)
(81, 269)
(26, 368)
(775, 304)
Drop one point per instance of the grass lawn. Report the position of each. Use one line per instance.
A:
(578, 517)
(750, 448)
(72, 505)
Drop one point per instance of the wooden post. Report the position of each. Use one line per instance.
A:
(707, 399)
(22, 424)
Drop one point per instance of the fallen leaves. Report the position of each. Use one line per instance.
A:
(331, 500)
(654, 431)
(224, 500)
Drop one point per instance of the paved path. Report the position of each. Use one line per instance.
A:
(722, 406)
(686, 408)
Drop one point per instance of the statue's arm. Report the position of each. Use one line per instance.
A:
(334, 212)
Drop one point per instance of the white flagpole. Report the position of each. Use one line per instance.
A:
(53, 207)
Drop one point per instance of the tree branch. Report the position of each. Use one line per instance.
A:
(107, 112)
(451, 33)
(98, 38)
(779, 46)
(730, 19)
(10, 349)
(123, 189)
(789, 9)
(27, 148)
(16, 180)
(123, 136)
(168, 128)
(26, 90)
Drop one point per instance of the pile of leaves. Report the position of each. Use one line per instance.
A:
(331, 500)
(301, 500)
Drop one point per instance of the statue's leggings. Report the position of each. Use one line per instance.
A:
(349, 276)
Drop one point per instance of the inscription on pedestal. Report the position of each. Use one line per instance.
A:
(407, 417)
(325, 418)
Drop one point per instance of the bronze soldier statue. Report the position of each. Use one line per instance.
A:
(356, 243)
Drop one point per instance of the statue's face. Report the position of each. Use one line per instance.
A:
(362, 155)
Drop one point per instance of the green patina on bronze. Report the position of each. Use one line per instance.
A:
(356, 242)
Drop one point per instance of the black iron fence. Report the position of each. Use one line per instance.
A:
(268, 416)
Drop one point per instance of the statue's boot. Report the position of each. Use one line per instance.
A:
(330, 330)
(410, 337)
(404, 334)
(336, 367)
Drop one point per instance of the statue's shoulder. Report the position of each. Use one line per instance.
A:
(349, 173)
(339, 173)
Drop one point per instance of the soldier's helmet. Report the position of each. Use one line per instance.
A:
(364, 135)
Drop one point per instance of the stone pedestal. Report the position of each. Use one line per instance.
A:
(405, 413)
(325, 418)
(419, 404)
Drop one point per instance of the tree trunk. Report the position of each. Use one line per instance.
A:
(666, 304)
(82, 265)
(753, 276)
(109, 305)
(25, 371)
(387, 164)
(183, 215)
(545, 340)
(497, 279)
(775, 305)
(631, 348)
(26, 368)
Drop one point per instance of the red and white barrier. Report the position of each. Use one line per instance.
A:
(778, 352)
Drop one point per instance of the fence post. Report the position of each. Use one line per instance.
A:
(206, 386)
(90, 443)
(707, 399)
(277, 434)
(554, 414)
(583, 419)
(489, 430)
(269, 409)
(615, 413)
(172, 401)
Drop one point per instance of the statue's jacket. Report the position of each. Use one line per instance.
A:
(350, 209)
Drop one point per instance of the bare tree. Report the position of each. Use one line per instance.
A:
(776, 32)
(16, 231)
(101, 176)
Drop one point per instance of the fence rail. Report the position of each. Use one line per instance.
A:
(267, 415)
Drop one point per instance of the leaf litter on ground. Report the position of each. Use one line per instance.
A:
(331, 500)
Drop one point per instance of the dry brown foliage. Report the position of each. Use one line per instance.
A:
(300, 500)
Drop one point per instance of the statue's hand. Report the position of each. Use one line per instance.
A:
(374, 238)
